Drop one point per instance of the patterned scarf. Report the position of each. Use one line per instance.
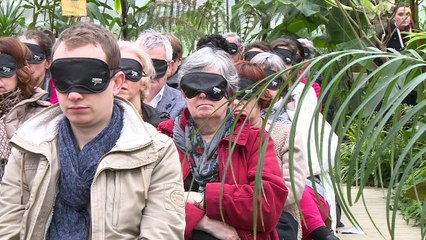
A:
(282, 116)
(202, 156)
(71, 220)
(7, 102)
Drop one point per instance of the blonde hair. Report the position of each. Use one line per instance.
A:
(145, 60)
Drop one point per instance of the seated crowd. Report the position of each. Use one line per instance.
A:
(108, 139)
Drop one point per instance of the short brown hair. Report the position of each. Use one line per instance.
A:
(13, 47)
(44, 38)
(255, 73)
(89, 33)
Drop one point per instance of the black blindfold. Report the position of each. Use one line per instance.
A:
(250, 55)
(37, 54)
(247, 89)
(232, 48)
(307, 52)
(82, 75)
(161, 67)
(8, 65)
(211, 84)
(276, 83)
(132, 69)
(285, 55)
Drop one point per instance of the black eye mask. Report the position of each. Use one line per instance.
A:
(247, 89)
(232, 48)
(8, 65)
(276, 83)
(82, 75)
(132, 69)
(211, 84)
(306, 52)
(250, 55)
(37, 55)
(161, 67)
(285, 55)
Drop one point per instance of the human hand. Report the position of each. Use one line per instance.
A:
(195, 198)
(217, 228)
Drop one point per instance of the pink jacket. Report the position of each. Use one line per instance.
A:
(237, 196)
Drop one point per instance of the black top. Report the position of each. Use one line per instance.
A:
(150, 115)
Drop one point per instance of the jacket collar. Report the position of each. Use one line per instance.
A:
(36, 97)
(240, 132)
(44, 128)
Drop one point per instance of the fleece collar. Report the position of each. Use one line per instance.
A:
(43, 128)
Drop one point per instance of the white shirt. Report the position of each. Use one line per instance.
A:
(157, 98)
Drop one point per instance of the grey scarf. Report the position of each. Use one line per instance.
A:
(71, 220)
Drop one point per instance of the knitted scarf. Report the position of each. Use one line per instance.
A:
(71, 220)
(8, 100)
(202, 156)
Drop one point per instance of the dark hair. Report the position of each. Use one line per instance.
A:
(401, 4)
(45, 39)
(266, 47)
(255, 73)
(215, 40)
(291, 44)
(13, 47)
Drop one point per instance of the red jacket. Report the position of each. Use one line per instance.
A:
(237, 196)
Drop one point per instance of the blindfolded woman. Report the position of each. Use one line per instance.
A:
(40, 44)
(250, 103)
(220, 201)
(19, 97)
(138, 68)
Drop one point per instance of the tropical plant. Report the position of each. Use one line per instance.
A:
(377, 119)
(11, 17)
(367, 97)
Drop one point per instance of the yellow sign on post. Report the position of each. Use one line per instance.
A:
(74, 8)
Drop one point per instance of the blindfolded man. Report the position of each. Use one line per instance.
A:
(168, 101)
(90, 168)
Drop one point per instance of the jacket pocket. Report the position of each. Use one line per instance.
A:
(116, 198)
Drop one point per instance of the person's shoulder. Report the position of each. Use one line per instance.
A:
(150, 115)
(281, 128)
(172, 91)
(166, 127)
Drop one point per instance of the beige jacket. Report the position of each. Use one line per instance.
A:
(23, 111)
(137, 191)
(281, 135)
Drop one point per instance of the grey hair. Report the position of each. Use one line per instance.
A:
(152, 39)
(207, 59)
(232, 34)
(307, 44)
(269, 60)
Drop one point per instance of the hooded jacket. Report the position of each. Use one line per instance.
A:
(235, 196)
(137, 190)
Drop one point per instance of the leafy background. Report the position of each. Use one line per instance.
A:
(382, 141)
